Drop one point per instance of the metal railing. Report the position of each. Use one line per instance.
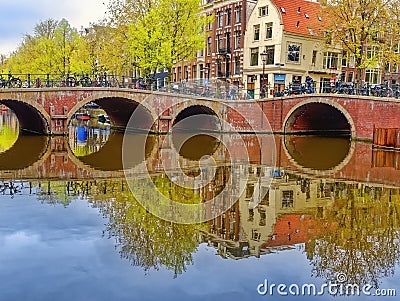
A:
(349, 88)
(219, 89)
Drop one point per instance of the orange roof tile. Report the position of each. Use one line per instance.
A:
(300, 16)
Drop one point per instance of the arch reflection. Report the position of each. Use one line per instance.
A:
(109, 156)
(195, 146)
(24, 152)
(318, 153)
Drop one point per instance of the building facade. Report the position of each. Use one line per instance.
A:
(222, 56)
(284, 44)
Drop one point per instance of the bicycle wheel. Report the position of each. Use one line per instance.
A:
(70, 81)
(86, 82)
(113, 82)
(15, 82)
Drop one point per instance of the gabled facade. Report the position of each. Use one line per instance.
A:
(287, 33)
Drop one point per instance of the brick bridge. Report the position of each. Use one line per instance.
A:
(49, 111)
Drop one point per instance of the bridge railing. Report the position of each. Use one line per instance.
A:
(200, 87)
(349, 88)
(203, 87)
(9, 80)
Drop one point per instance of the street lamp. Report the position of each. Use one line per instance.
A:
(263, 56)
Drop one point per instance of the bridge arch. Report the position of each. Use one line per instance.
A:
(197, 117)
(317, 115)
(32, 118)
(120, 109)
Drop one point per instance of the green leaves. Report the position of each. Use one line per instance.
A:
(359, 24)
(170, 32)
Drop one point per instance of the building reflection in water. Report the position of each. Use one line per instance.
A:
(339, 223)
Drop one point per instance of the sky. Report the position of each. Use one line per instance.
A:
(19, 17)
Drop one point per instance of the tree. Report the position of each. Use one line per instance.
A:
(170, 32)
(356, 25)
(55, 48)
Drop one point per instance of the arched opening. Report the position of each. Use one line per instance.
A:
(318, 118)
(30, 120)
(96, 135)
(197, 118)
(117, 113)
(120, 111)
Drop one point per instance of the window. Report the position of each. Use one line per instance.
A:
(331, 60)
(344, 59)
(268, 30)
(219, 42)
(186, 72)
(270, 50)
(253, 56)
(228, 16)
(350, 77)
(237, 39)
(209, 46)
(352, 62)
(327, 37)
(237, 65)
(209, 23)
(238, 14)
(219, 69)
(263, 11)
(219, 19)
(287, 198)
(314, 58)
(256, 32)
(194, 72)
(373, 52)
(372, 76)
(249, 191)
(228, 42)
(293, 53)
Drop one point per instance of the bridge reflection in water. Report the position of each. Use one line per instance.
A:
(341, 211)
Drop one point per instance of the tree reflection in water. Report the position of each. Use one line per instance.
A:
(359, 236)
(356, 232)
(142, 238)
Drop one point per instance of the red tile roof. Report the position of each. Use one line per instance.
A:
(292, 229)
(300, 16)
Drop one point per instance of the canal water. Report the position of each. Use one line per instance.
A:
(299, 218)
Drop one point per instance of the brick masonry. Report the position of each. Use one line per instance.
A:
(50, 110)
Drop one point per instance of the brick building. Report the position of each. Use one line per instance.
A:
(222, 56)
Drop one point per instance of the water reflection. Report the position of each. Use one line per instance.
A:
(318, 153)
(194, 146)
(9, 128)
(341, 226)
(87, 137)
(347, 222)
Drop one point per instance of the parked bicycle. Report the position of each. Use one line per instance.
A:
(76, 80)
(382, 90)
(11, 82)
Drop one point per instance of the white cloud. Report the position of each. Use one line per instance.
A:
(18, 17)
